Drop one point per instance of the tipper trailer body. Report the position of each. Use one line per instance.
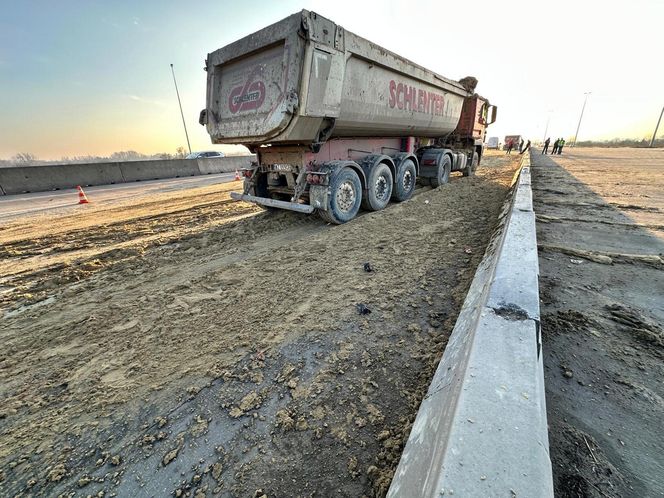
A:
(337, 122)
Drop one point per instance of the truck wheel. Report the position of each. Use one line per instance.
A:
(404, 183)
(345, 197)
(379, 188)
(443, 175)
(471, 167)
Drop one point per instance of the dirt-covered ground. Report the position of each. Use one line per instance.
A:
(183, 345)
(600, 230)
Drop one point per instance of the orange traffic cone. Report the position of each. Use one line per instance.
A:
(82, 198)
(237, 175)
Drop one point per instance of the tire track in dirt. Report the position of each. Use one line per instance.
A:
(233, 359)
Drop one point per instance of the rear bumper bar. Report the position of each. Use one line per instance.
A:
(264, 201)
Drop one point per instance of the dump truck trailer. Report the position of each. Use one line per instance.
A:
(337, 122)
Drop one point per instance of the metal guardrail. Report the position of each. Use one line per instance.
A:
(481, 430)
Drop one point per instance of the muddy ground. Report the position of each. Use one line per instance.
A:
(600, 230)
(184, 345)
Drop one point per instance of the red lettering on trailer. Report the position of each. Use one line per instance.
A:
(414, 99)
(407, 104)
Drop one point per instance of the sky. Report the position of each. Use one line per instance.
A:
(92, 77)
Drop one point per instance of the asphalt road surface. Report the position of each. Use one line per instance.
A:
(14, 206)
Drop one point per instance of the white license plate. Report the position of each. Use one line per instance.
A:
(281, 167)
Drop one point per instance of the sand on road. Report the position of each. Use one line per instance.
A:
(600, 229)
(184, 345)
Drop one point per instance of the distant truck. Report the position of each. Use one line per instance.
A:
(337, 122)
(493, 143)
(516, 140)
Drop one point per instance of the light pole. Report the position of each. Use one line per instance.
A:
(181, 113)
(581, 117)
(654, 135)
(546, 128)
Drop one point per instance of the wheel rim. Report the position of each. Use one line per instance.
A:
(345, 196)
(381, 187)
(407, 181)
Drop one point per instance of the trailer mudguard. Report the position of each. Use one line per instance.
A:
(430, 161)
(319, 195)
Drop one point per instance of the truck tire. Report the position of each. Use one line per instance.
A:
(379, 188)
(345, 197)
(404, 183)
(443, 175)
(471, 167)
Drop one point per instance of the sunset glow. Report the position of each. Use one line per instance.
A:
(92, 78)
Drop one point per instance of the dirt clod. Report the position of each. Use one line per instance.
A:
(170, 456)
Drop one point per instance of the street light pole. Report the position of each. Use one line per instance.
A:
(654, 135)
(546, 128)
(181, 113)
(581, 117)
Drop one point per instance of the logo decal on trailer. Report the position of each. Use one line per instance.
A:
(248, 96)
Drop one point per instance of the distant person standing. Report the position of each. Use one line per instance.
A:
(525, 148)
(555, 146)
(561, 144)
(510, 144)
(546, 146)
(520, 145)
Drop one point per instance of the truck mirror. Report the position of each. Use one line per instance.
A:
(202, 117)
(492, 114)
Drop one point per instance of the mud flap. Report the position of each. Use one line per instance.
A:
(319, 196)
(430, 162)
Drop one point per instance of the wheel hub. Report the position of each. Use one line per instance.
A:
(407, 181)
(345, 196)
(381, 187)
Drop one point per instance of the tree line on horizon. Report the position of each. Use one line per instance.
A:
(621, 142)
(29, 159)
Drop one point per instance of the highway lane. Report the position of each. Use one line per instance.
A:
(17, 205)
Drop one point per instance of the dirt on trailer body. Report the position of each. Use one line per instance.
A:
(600, 228)
(268, 355)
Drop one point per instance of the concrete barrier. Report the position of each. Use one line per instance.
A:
(41, 178)
(224, 164)
(481, 429)
(154, 170)
(20, 179)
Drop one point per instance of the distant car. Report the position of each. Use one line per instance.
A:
(205, 154)
(493, 143)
